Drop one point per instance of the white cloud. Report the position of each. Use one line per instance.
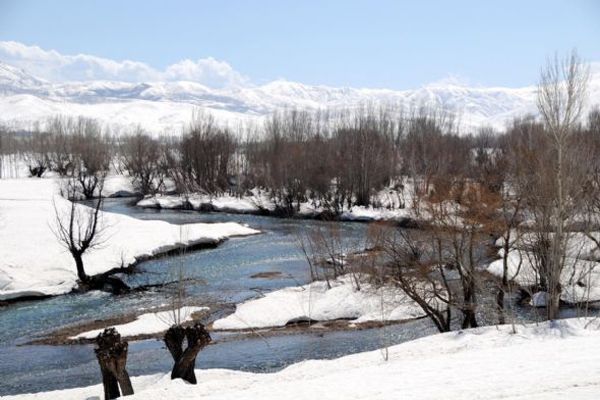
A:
(204, 70)
(54, 66)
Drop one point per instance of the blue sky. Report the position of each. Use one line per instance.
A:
(392, 44)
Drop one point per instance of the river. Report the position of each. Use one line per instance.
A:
(221, 275)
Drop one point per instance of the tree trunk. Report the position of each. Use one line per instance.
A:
(500, 306)
(81, 275)
(185, 360)
(553, 301)
(111, 353)
(502, 290)
(469, 301)
(469, 320)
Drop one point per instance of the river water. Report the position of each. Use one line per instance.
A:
(221, 275)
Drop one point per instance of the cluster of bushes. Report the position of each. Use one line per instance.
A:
(336, 161)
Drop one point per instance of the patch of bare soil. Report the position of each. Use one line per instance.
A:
(267, 275)
(62, 336)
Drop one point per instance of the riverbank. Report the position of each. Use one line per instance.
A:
(28, 211)
(351, 298)
(453, 365)
(317, 306)
(391, 206)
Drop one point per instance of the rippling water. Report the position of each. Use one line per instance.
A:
(222, 276)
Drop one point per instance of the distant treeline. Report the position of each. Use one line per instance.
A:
(296, 156)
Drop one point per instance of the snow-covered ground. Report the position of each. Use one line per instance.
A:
(147, 324)
(392, 205)
(33, 262)
(316, 302)
(550, 360)
(580, 278)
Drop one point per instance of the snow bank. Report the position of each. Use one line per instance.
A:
(225, 203)
(116, 185)
(580, 279)
(316, 302)
(146, 324)
(33, 263)
(579, 244)
(391, 203)
(482, 363)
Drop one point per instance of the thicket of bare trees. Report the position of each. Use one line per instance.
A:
(72, 147)
(205, 155)
(145, 160)
(540, 173)
(535, 187)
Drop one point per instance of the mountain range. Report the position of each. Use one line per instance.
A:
(167, 107)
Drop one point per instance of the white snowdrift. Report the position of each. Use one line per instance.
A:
(580, 279)
(316, 302)
(391, 203)
(147, 324)
(483, 363)
(33, 263)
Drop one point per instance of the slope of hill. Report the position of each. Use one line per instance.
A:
(168, 106)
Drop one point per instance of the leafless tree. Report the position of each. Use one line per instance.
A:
(62, 133)
(204, 156)
(36, 152)
(91, 156)
(143, 157)
(79, 228)
(9, 153)
(111, 353)
(561, 97)
(326, 251)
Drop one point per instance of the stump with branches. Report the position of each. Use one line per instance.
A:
(111, 353)
(196, 338)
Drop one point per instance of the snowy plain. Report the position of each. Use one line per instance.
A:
(33, 262)
(549, 360)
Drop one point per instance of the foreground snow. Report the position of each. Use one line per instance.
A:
(317, 302)
(552, 360)
(33, 263)
(147, 324)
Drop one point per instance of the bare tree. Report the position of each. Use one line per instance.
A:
(9, 153)
(92, 156)
(62, 134)
(412, 267)
(111, 353)
(560, 100)
(36, 152)
(194, 337)
(143, 158)
(204, 156)
(79, 228)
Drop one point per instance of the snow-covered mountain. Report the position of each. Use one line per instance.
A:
(168, 106)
